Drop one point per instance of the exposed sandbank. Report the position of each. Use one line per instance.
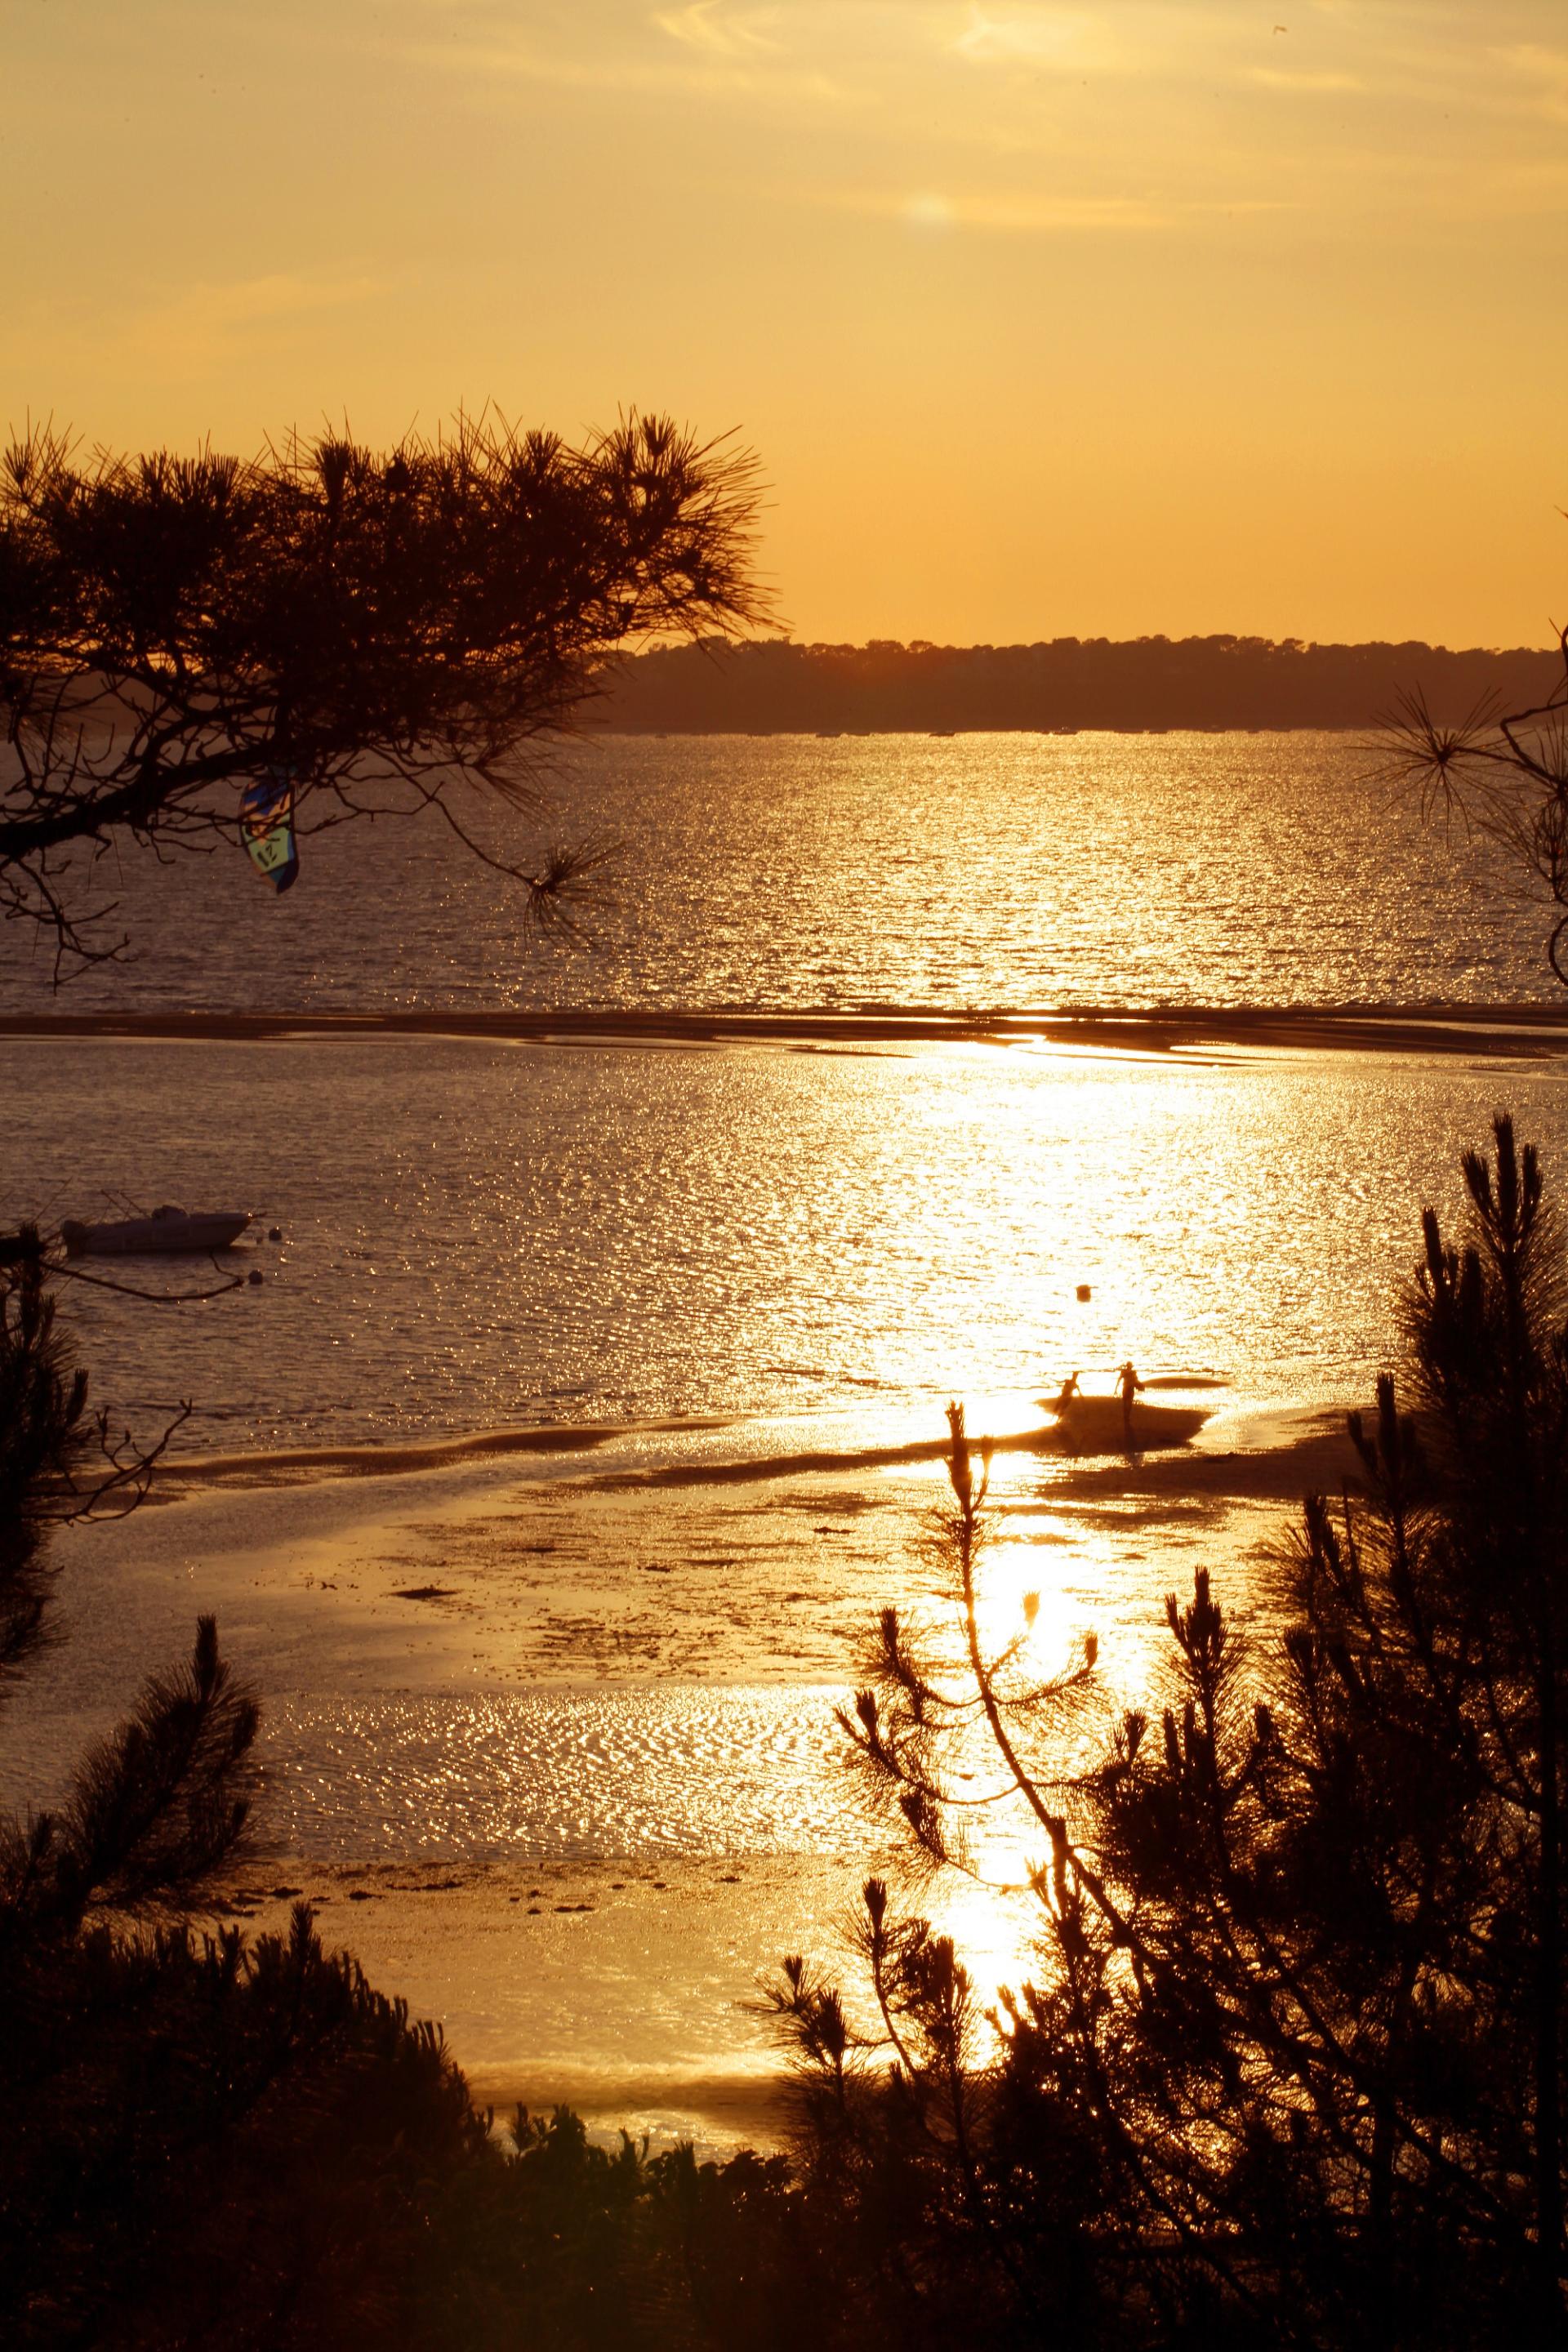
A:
(1092, 1427)
(524, 1569)
(264, 1465)
(1515, 1032)
(1312, 1454)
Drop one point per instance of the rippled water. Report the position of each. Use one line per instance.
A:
(995, 870)
(564, 1773)
(478, 1237)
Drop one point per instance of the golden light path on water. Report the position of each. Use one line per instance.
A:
(560, 1712)
(877, 871)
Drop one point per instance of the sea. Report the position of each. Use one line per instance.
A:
(548, 1479)
(481, 1231)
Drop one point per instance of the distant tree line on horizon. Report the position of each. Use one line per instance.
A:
(773, 686)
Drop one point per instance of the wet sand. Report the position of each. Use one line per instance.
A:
(625, 1988)
(1093, 1426)
(1298, 1455)
(556, 1758)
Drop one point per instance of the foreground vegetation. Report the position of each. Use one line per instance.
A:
(1289, 2068)
(215, 2138)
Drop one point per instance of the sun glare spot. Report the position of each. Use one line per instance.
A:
(1014, 1573)
(1033, 35)
(930, 212)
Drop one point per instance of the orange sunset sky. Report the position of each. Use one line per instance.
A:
(1099, 320)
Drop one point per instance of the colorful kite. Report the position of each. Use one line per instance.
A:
(267, 828)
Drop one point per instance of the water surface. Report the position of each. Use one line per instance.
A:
(988, 871)
(669, 1257)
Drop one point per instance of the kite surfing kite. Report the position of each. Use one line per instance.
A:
(267, 828)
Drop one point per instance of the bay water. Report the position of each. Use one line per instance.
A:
(711, 1293)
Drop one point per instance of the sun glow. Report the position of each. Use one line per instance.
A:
(1046, 320)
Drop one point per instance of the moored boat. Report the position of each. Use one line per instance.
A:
(167, 1229)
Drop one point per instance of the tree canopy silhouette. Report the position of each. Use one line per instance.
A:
(386, 631)
(768, 684)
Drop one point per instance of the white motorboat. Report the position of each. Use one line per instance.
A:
(167, 1229)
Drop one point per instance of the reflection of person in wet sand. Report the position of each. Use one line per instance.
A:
(1070, 1389)
(1128, 1381)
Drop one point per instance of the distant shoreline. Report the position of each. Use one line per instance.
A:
(1067, 686)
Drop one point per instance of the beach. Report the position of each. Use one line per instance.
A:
(556, 1759)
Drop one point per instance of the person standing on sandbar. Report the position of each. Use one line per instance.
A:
(1128, 1381)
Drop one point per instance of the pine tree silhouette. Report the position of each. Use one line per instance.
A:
(1291, 2067)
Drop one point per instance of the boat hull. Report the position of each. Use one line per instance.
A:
(180, 1237)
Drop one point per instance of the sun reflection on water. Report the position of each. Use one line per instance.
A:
(634, 1643)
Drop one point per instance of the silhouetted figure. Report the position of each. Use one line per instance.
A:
(1070, 1389)
(1129, 1384)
